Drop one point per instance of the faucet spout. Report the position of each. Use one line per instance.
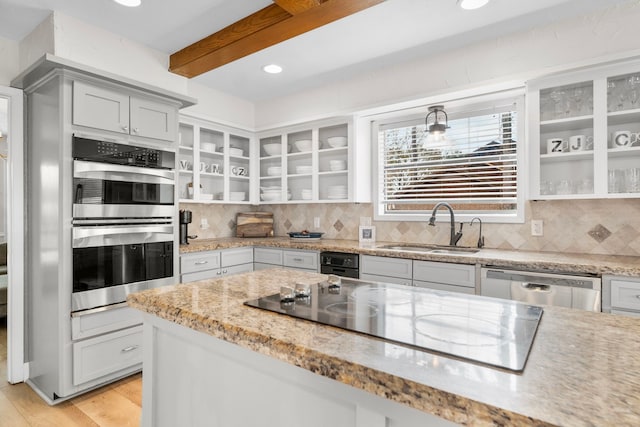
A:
(480, 236)
(432, 221)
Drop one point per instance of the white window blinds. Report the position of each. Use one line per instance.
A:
(474, 168)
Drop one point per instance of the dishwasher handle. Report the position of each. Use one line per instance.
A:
(536, 287)
(540, 280)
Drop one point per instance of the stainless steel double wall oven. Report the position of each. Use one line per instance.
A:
(123, 220)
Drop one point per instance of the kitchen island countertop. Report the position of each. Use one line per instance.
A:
(583, 368)
(573, 263)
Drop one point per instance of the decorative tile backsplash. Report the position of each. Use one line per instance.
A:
(610, 227)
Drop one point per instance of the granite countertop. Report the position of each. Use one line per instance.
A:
(527, 260)
(583, 369)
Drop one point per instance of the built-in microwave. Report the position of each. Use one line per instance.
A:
(112, 180)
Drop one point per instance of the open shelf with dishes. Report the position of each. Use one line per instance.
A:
(298, 164)
(585, 133)
(214, 162)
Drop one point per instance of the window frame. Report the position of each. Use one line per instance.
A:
(454, 108)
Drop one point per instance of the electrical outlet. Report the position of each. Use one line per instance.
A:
(316, 222)
(537, 227)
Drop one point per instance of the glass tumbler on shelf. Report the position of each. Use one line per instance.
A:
(616, 181)
(632, 180)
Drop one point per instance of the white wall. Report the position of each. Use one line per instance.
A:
(40, 41)
(516, 57)
(221, 107)
(9, 61)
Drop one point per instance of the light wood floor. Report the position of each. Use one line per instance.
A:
(115, 405)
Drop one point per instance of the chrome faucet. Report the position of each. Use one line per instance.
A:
(454, 236)
(480, 236)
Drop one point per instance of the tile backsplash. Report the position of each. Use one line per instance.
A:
(610, 227)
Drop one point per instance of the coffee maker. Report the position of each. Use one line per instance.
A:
(185, 220)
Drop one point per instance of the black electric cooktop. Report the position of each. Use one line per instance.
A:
(487, 330)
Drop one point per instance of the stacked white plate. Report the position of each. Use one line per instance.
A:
(233, 151)
(236, 196)
(306, 194)
(337, 192)
(208, 146)
(304, 169)
(337, 165)
(270, 194)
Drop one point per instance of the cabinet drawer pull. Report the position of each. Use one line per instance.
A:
(638, 296)
(202, 262)
(298, 259)
(128, 349)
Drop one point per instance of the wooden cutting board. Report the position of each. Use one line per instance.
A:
(254, 224)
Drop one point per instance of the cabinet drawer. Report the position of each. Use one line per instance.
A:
(268, 256)
(625, 294)
(106, 354)
(237, 256)
(191, 263)
(299, 259)
(383, 266)
(443, 287)
(445, 273)
(261, 266)
(385, 279)
(89, 324)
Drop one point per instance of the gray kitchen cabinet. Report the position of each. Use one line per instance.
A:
(290, 258)
(621, 295)
(385, 279)
(105, 342)
(445, 276)
(215, 264)
(105, 108)
(398, 268)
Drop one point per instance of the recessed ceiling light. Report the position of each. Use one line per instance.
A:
(129, 3)
(272, 69)
(472, 4)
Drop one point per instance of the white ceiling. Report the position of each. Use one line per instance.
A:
(393, 31)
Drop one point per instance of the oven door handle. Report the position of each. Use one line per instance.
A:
(88, 232)
(111, 172)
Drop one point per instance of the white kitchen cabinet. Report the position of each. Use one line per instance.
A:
(215, 264)
(385, 279)
(444, 287)
(214, 162)
(95, 322)
(584, 133)
(102, 107)
(307, 163)
(621, 295)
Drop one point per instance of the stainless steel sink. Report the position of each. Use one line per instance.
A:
(430, 249)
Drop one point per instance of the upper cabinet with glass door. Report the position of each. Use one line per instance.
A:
(214, 163)
(306, 163)
(584, 133)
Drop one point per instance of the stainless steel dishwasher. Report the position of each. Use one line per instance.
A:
(580, 292)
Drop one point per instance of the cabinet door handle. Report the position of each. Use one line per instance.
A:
(128, 349)
(202, 262)
(638, 296)
(125, 128)
(218, 272)
(224, 271)
(135, 130)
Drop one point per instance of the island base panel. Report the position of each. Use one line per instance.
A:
(191, 378)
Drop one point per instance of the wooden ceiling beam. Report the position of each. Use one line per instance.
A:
(255, 33)
(295, 7)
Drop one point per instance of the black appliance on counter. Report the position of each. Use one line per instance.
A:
(340, 264)
(185, 219)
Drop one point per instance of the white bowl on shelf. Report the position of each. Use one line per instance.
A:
(337, 165)
(274, 149)
(303, 145)
(237, 196)
(271, 196)
(237, 152)
(303, 170)
(337, 141)
(208, 146)
(274, 170)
